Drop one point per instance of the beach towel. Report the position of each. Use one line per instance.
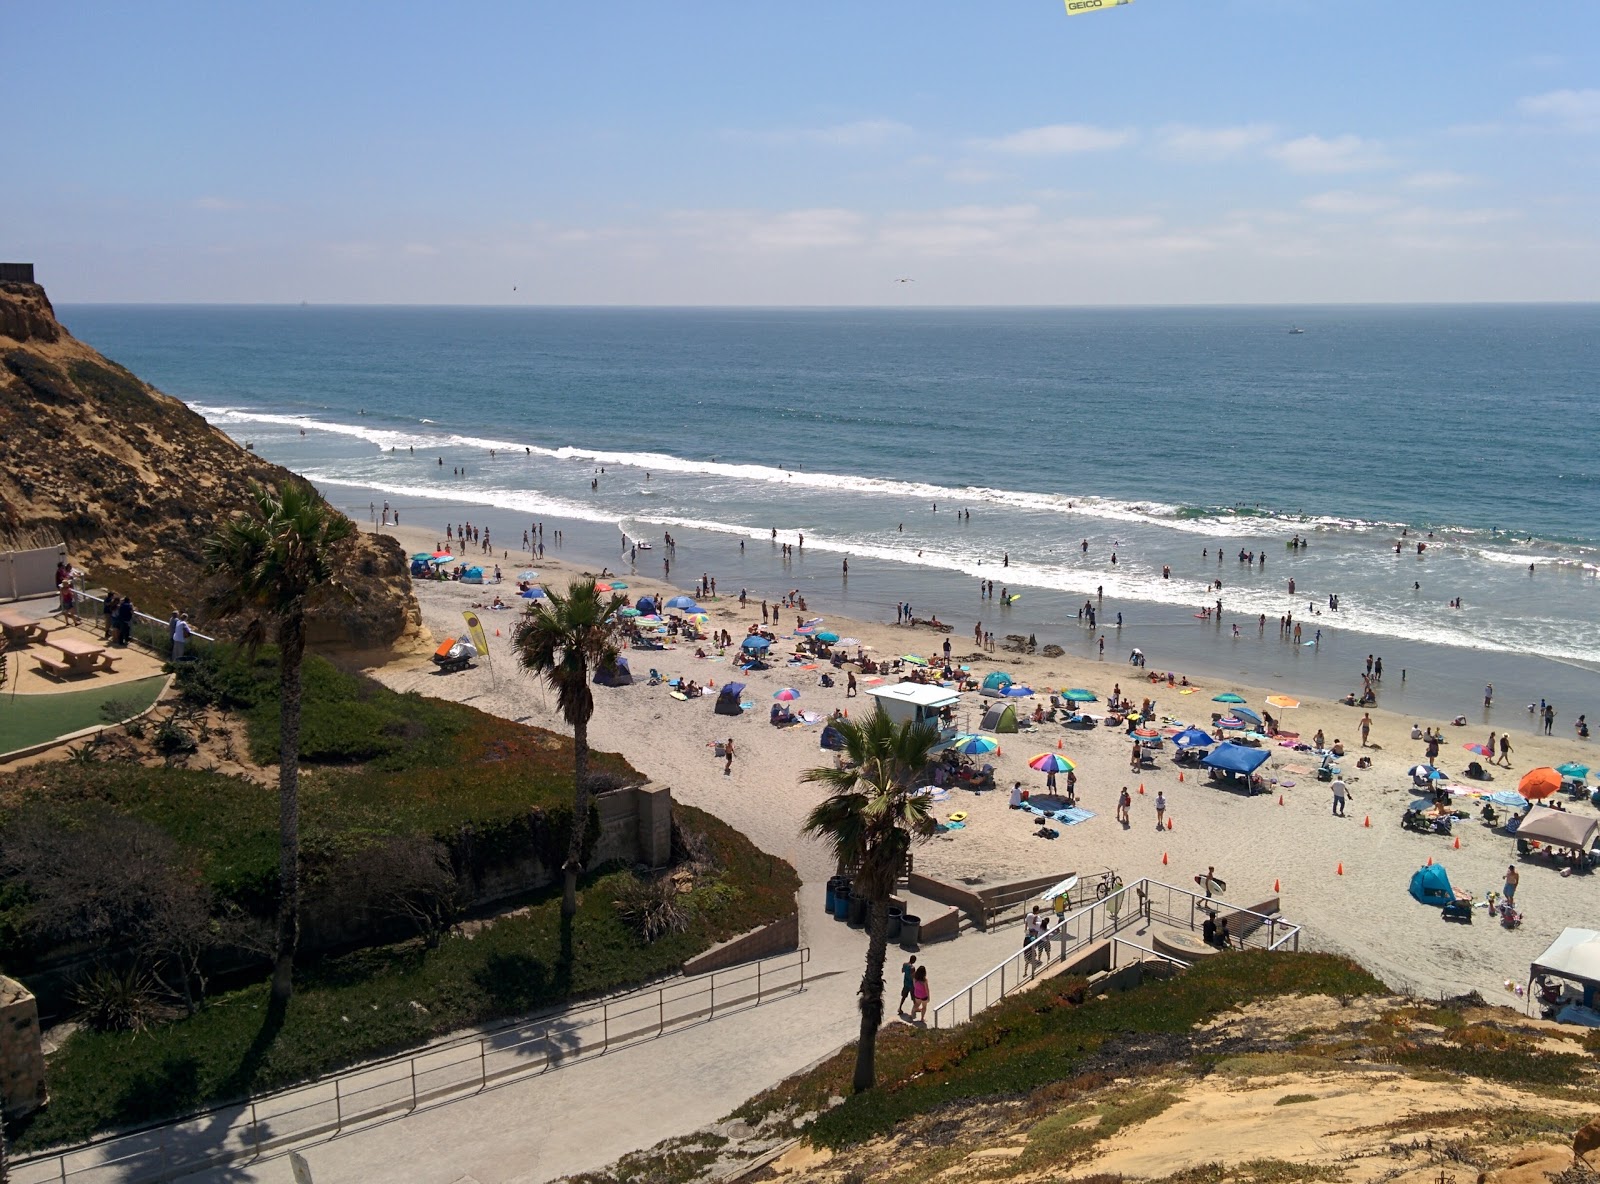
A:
(1073, 816)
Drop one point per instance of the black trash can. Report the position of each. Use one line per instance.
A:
(858, 910)
(910, 932)
(892, 929)
(841, 903)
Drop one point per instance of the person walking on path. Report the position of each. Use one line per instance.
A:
(1030, 935)
(1505, 750)
(1161, 810)
(919, 995)
(908, 970)
(1513, 878)
(1340, 792)
(1366, 727)
(1123, 802)
(180, 635)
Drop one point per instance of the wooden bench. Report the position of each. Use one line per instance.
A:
(52, 667)
(108, 662)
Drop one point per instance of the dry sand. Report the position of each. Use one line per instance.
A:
(1254, 842)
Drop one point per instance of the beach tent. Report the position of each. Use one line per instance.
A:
(1575, 956)
(1431, 885)
(832, 738)
(998, 681)
(1559, 828)
(647, 606)
(616, 674)
(473, 575)
(728, 699)
(1001, 717)
(1236, 758)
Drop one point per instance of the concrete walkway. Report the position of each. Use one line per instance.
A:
(530, 1129)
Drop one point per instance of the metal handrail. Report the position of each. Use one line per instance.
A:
(439, 1073)
(155, 634)
(1102, 919)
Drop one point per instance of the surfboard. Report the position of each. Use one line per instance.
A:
(1220, 885)
(1014, 599)
(679, 695)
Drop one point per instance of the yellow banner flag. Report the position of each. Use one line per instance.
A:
(1079, 7)
(475, 627)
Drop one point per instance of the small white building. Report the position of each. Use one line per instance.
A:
(915, 701)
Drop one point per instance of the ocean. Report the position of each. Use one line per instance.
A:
(1171, 439)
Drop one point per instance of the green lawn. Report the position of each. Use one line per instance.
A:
(26, 720)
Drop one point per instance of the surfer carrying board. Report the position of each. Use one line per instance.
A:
(1209, 883)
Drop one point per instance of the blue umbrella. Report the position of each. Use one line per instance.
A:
(1193, 738)
(1246, 713)
(683, 602)
(827, 637)
(1015, 692)
(755, 642)
(1509, 799)
(535, 594)
(1079, 695)
(1427, 771)
(1227, 697)
(1574, 770)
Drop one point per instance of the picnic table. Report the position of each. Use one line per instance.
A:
(19, 630)
(77, 657)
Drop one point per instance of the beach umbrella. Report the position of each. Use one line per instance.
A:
(1227, 697)
(527, 574)
(914, 659)
(535, 594)
(1540, 783)
(1282, 701)
(422, 557)
(1510, 799)
(827, 637)
(1147, 733)
(1427, 771)
(1573, 769)
(1230, 722)
(1079, 695)
(1192, 738)
(1478, 749)
(682, 602)
(1017, 692)
(849, 641)
(755, 642)
(970, 745)
(786, 694)
(630, 612)
(1246, 714)
(1051, 762)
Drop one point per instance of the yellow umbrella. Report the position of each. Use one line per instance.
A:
(1282, 701)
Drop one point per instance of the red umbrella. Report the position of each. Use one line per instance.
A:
(1538, 784)
(1479, 749)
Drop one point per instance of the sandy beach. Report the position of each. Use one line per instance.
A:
(1343, 879)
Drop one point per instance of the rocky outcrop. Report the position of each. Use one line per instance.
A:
(133, 481)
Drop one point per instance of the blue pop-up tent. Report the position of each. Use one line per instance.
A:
(1236, 758)
(998, 681)
(1430, 885)
(647, 606)
(728, 699)
(616, 674)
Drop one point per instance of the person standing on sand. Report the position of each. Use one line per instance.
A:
(1505, 750)
(1161, 810)
(1340, 792)
(1366, 727)
(850, 684)
(1123, 803)
(727, 755)
(1509, 889)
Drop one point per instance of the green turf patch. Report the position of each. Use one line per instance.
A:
(26, 720)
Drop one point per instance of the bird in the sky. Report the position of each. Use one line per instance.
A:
(907, 280)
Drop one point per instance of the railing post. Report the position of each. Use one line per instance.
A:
(338, 1107)
(712, 1014)
(255, 1128)
(413, 1065)
(758, 982)
(483, 1065)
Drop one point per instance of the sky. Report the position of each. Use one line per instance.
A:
(734, 153)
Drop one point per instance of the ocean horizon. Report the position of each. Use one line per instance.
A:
(934, 448)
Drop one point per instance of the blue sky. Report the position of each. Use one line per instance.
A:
(994, 151)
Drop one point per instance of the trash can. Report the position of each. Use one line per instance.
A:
(833, 885)
(892, 930)
(841, 904)
(910, 932)
(858, 910)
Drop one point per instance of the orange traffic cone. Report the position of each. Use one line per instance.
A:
(497, 633)
(1340, 870)
(1275, 887)
(1169, 824)
(1141, 787)
(1180, 776)
(1430, 861)
(1367, 821)
(1280, 799)
(1058, 744)
(1163, 859)
(1458, 842)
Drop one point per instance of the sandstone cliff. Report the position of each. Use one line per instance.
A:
(132, 480)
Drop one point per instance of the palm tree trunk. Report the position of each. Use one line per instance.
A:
(871, 996)
(580, 817)
(292, 648)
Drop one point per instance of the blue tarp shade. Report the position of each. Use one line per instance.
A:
(1236, 758)
(1430, 885)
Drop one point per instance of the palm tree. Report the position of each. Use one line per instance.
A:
(271, 562)
(565, 638)
(871, 819)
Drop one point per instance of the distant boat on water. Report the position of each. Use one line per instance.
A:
(1296, 329)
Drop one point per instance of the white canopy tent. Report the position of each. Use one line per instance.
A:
(1559, 828)
(1574, 956)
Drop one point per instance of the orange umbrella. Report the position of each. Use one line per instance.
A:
(1537, 784)
(1283, 701)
